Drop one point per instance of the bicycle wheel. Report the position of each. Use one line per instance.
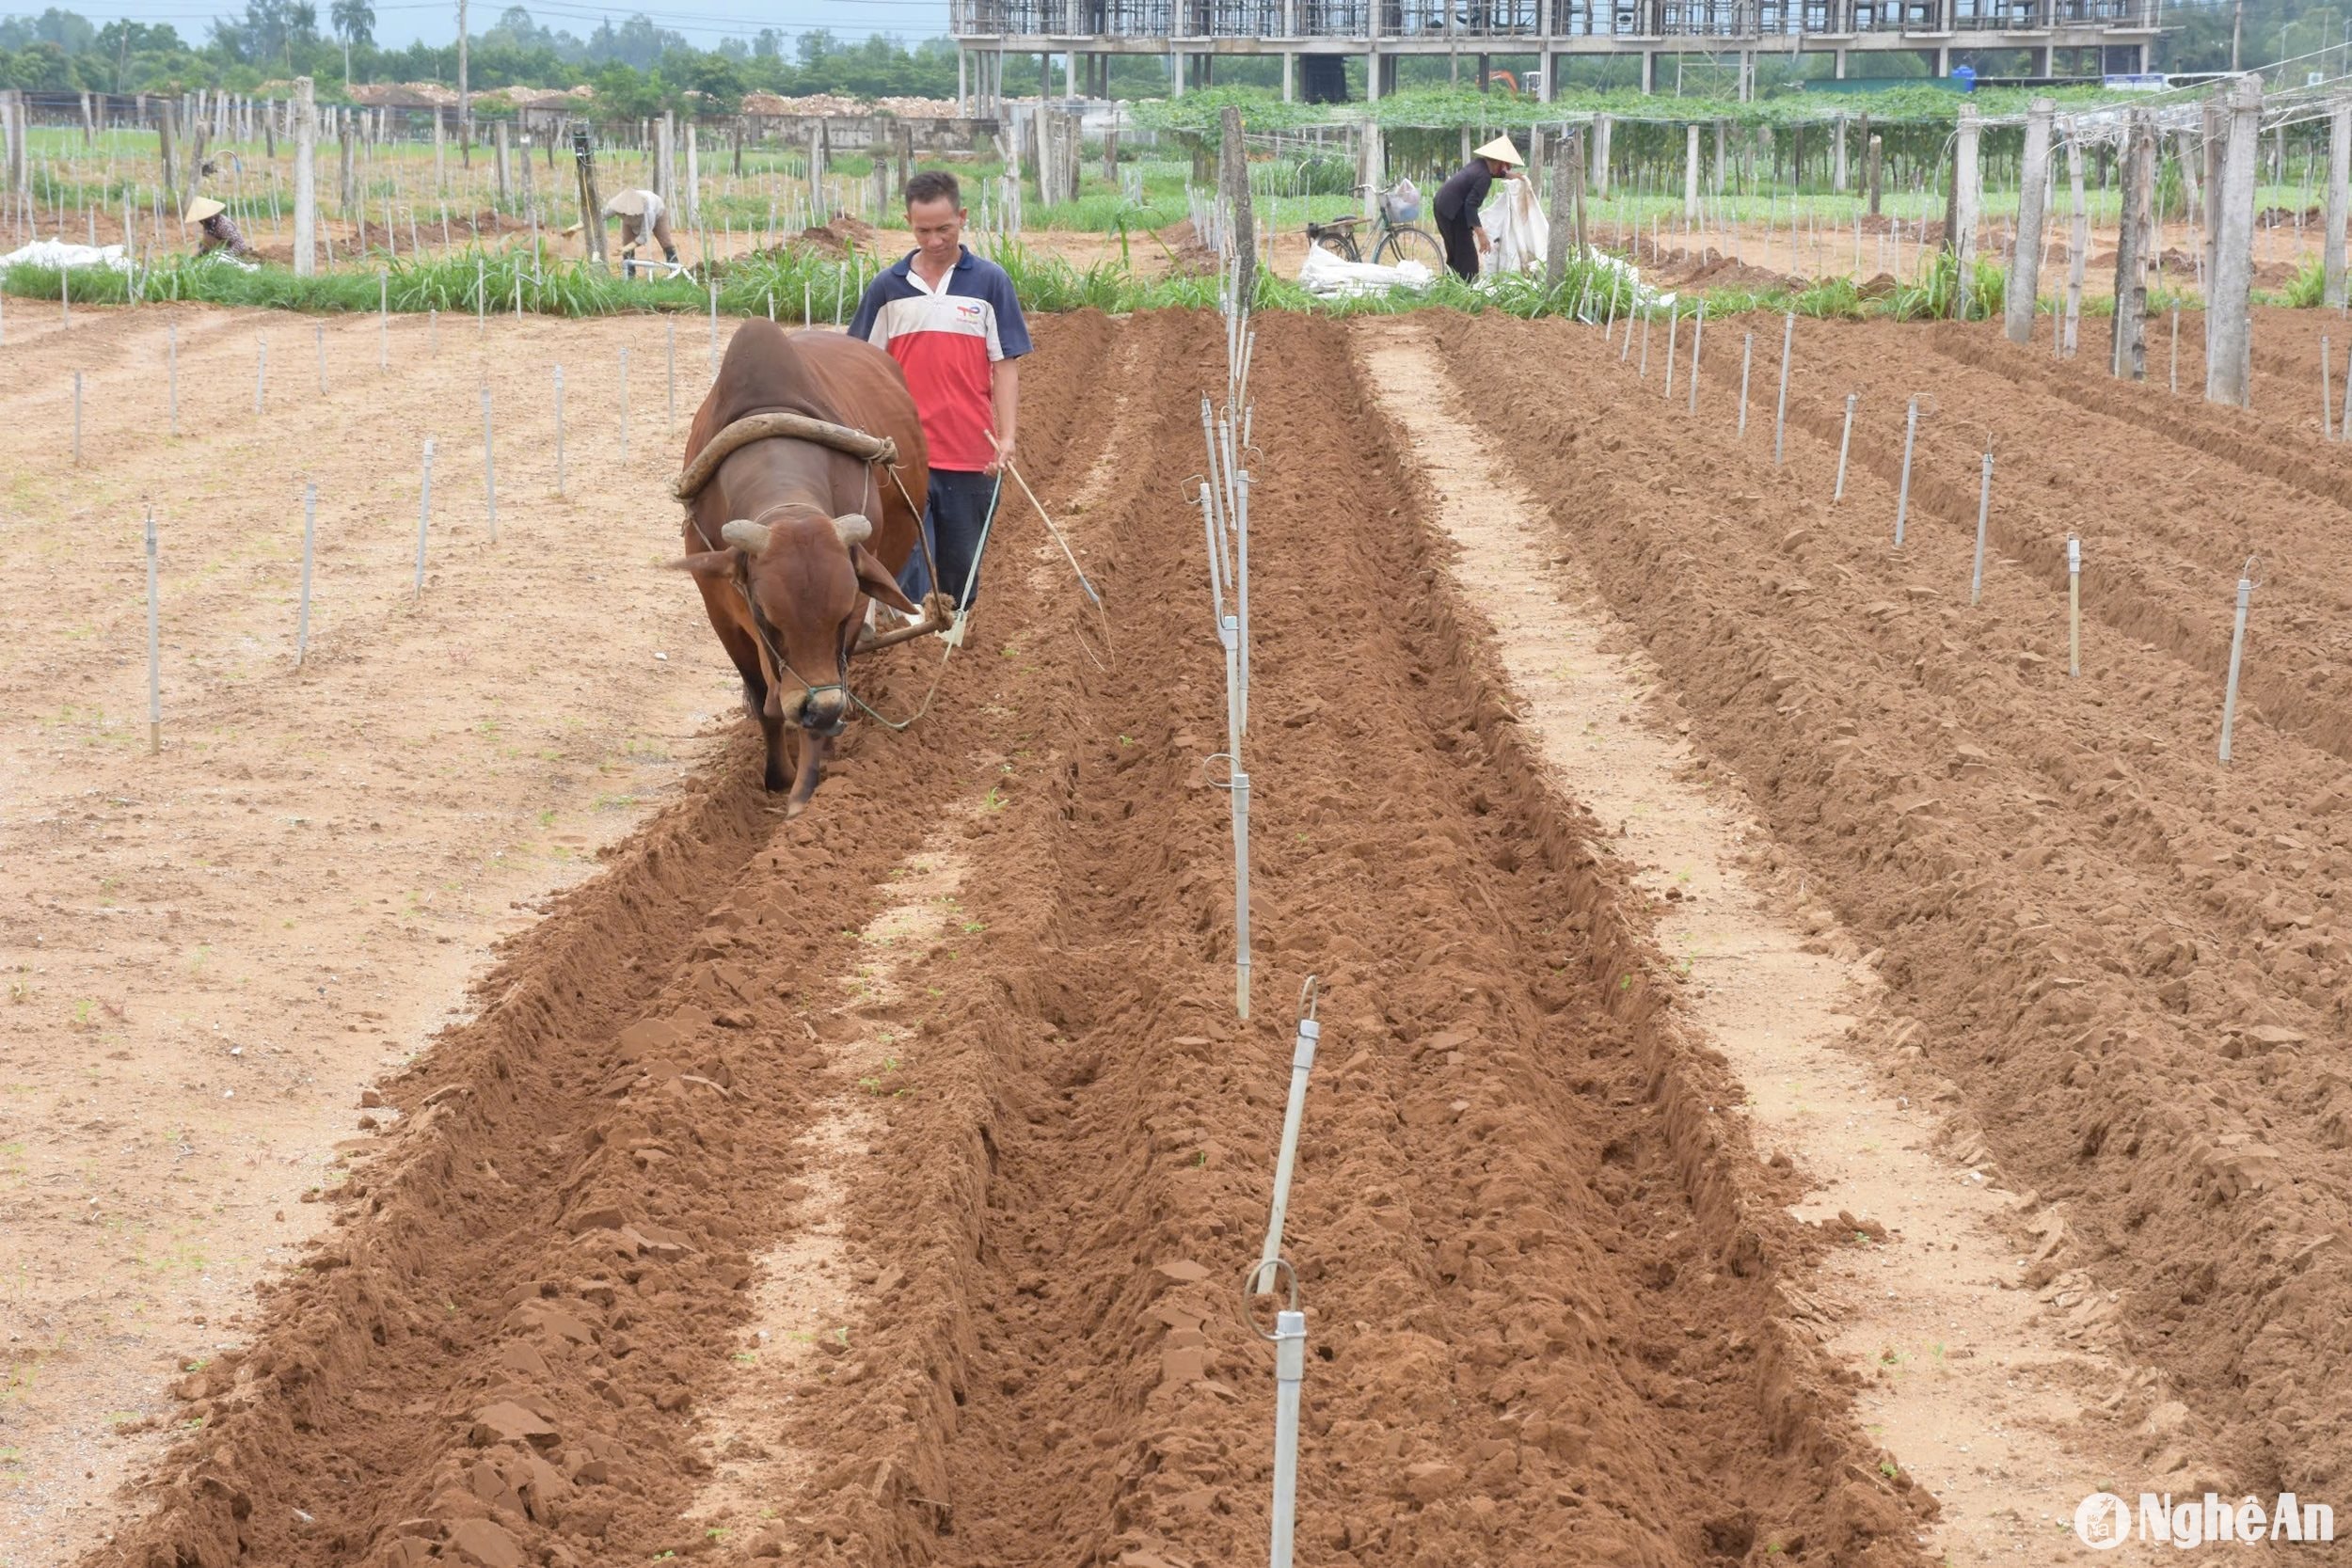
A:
(1408, 244)
(1339, 241)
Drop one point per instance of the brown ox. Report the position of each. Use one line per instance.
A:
(779, 538)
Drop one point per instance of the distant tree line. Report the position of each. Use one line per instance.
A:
(637, 65)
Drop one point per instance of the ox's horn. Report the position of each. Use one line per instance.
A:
(853, 528)
(749, 537)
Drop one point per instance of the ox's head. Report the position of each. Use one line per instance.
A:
(808, 576)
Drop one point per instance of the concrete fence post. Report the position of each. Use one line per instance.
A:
(2339, 202)
(1690, 176)
(2024, 262)
(2128, 357)
(306, 198)
(2229, 325)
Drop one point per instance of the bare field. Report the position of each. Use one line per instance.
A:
(1803, 1080)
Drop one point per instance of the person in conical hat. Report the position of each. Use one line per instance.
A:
(220, 231)
(642, 213)
(1459, 199)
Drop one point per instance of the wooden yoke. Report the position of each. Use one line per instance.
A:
(796, 427)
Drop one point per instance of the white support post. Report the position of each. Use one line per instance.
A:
(1691, 175)
(2339, 203)
(2024, 262)
(305, 198)
(2237, 651)
(1967, 202)
(2228, 328)
(1780, 419)
(157, 647)
(1902, 495)
(309, 537)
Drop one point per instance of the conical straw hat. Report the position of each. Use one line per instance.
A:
(205, 207)
(1502, 151)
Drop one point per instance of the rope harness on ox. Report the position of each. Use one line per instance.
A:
(874, 450)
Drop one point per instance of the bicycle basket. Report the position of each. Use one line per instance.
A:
(1401, 202)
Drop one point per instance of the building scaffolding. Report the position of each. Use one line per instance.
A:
(1192, 34)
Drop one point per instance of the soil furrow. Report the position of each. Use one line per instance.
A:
(544, 1267)
(2159, 577)
(2113, 963)
(1540, 1282)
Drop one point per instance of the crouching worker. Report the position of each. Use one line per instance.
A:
(642, 213)
(219, 229)
(950, 320)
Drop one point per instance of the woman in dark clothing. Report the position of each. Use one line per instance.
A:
(1459, 199)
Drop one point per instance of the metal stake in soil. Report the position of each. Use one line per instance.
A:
(172, 339)
(489, 467)
(1290, 1372)
(77, 419)
(2327, 410)
(1902, 495)
(2074, 606)
(261, 374)
(425, 513)
(1984, 510)
(309, 533)
(1217, 572)
(1747, 355)
(671, 340)
(1780, 419)
(1241, 583)
(2237, 653)
(623, 406)
(1674, 330)
(1302, 1064)
(1698, 336)
(157, 647)
(383, 321)
(1845, 440)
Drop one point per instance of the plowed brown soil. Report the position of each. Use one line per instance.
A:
(2122, 961)
(961, 1041)
(1544, 1267)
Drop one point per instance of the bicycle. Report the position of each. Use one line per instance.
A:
(1399, 238)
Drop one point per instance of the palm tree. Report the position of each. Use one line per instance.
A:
(353, 19)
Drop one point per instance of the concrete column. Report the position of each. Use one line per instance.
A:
(1232, 178)
(2127, 355)
(1944, 59)
(1650, 71)
(691, 206)
(1372, 77)
(2033, 198)
(1691, 175)
(1838, 164)
(964, 80)
(1543, 81)
(2339, 201)
(306, 195)
(1967, 191)
(1290, 69)
(1840, 54)
(2229, 328)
